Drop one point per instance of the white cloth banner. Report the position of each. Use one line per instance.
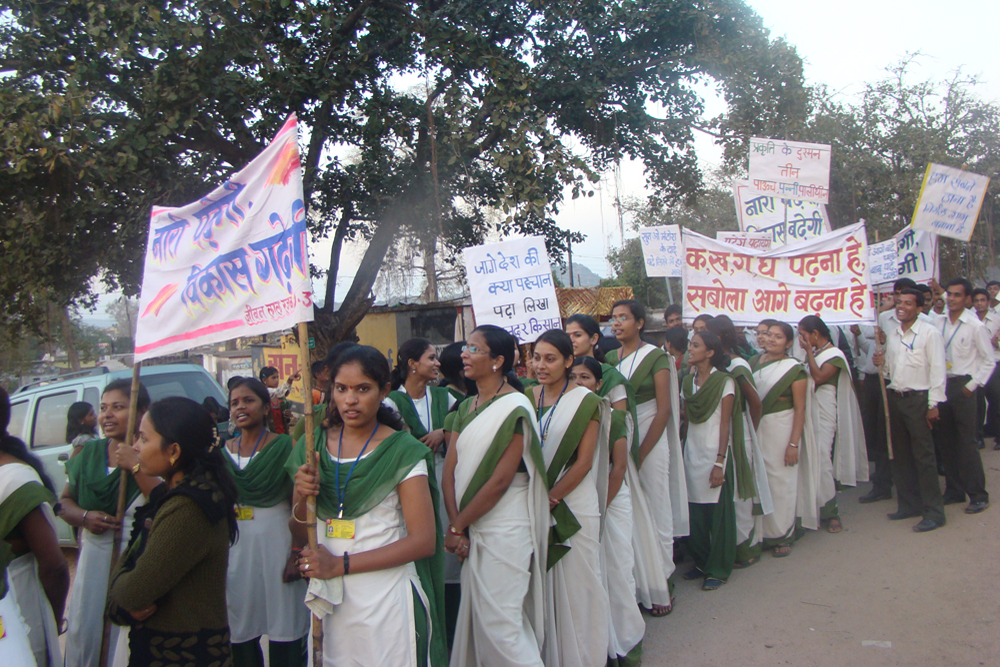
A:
(783, 220)
(917, 254)
(949, 201)
(828, 277)
(790, 169)
(883, 262)
(662, 251)
(511, 287)
(756, 240)
(234, 263)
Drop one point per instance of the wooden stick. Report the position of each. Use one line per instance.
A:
(881, 378)
(133, 409)
(307, 414)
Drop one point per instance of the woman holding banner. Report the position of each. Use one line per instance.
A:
(786, 439)
(497, 499)
(840, 437)
(90, 502)
(574, 425)
(653, 378)
(258, 599)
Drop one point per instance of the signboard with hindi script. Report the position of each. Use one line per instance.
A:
(883, 262)
(917, 254)
(511, 287)
(234, 263)
(755, 240)
(949, 202)
(784, 220)
(790, 169)
(828, 277)
(662, 251)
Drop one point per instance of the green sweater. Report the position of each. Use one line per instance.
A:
(182, 570)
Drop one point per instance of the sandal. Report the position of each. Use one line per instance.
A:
(834, 526)
(782, 550)
(742, 565)
(659, 611)
(693, 573)
(713, 584)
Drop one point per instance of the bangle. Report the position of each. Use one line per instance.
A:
(347, 563)
(720, 456)
(83, 519)
(792, 444)
(451, 529)
(718, 465)
(297, 519)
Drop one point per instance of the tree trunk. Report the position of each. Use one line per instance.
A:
(334, 267)
(68, 340)
(429, 252)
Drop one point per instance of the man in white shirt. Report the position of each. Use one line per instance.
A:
(969, 363)
(993, 287)
(862, 341)
(887, 318)
(988, 395)
(914, 364)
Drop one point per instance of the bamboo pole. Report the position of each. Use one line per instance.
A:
(881, 378)
(133, 408)
(307, 414)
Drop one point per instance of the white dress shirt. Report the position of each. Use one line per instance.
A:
(967, 349)
(863, 347)
(887, 319)
(914, 360)
(992, 324)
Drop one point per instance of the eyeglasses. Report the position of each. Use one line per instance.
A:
(472, 349)
(621, 319)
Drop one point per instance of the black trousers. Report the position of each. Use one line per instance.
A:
(914, 468)
(991, 392)
(873, 420)
(955, 434)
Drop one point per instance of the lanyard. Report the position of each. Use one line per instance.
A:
(541, 406)
(343, 496)
(634, 355)
(953, 333)
(238, 459)
(427, 404)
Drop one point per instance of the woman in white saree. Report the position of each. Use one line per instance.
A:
(497, 501)
(840, 437)
(654, 380)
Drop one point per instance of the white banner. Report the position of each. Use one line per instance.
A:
(828, 277)
(662, 251)
(784, 220)
(790, 169)
(949, 202)
(883, 262)
(755, 240)
(234, 263)
(917, 254)
(511, 287)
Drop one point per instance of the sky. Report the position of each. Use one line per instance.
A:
(844, 45)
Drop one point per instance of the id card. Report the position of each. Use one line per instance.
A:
(948, 364)
(3, 630)
(244, 513)
(340, 528)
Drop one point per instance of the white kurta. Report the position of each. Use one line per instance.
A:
(850, 450)
(700, 451)
(36, 611)
(374, 625)
(500, 619)
(88, 596)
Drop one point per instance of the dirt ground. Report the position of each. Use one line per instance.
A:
(876, 594)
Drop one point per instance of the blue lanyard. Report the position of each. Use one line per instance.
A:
(238, 459)
(635, 355)
(342, 496)
(541, 406)
(953, 333)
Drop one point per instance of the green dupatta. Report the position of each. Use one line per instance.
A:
(15, 507)
(374, 478)
(91, 486)
(408, 411)
(613, 378)
(263, 482)
(774, 401)
(702, 404)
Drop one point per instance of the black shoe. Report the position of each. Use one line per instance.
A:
(874, 496)
(897, 516)
(976, 507)
(953, 500)
(693, 573)
(926, 526)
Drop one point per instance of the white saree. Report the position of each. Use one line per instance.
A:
(747, 525)
(501, 621)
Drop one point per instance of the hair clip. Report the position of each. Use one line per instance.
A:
(216, 440)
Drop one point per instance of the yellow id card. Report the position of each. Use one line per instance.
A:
(244, 513)
(340, 528)
(3, 630)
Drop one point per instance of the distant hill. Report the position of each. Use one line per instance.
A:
(582, 276)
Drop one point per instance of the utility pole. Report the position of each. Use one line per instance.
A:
(569, 251)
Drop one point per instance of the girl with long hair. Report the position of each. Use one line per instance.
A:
(90, 502)
(260, 602)
(81, 424)
(34, 576)
(376, 577)
(659, 459)
(497, 498)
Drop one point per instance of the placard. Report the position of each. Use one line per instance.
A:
(790, 169)
(949, 202)
(662, 251)
(883, 262)
(511, 287)
(756, 240)
(917, 254)
(784, 220)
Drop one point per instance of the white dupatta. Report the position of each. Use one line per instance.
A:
(850, 451)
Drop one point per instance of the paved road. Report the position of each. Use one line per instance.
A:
(934, 597)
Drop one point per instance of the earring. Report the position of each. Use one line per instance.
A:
(414, 371)
(494, 369)
(173, 460)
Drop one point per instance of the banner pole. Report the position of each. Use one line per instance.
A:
(881, 378)
(133, 408)
(307, 415)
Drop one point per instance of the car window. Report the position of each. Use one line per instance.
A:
(196, 386)
(18, 411)
(49, 427)
(92, 396)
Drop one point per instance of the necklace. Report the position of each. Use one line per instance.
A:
(342, 495)
(541, 406)
(499, 389)
(634, 355)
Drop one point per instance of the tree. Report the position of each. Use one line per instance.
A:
(125, 313)
(520, 100)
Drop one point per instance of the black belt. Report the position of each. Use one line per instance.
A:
(907, 392)
(964, 378)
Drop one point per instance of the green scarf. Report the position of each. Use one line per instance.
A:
(700, 406)
(612, 378)
(775, 401)
(263, 482)
(618, 430)
(91, 486)
(374, 478)
(408, 411)
(644, 368)
(14, 508)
